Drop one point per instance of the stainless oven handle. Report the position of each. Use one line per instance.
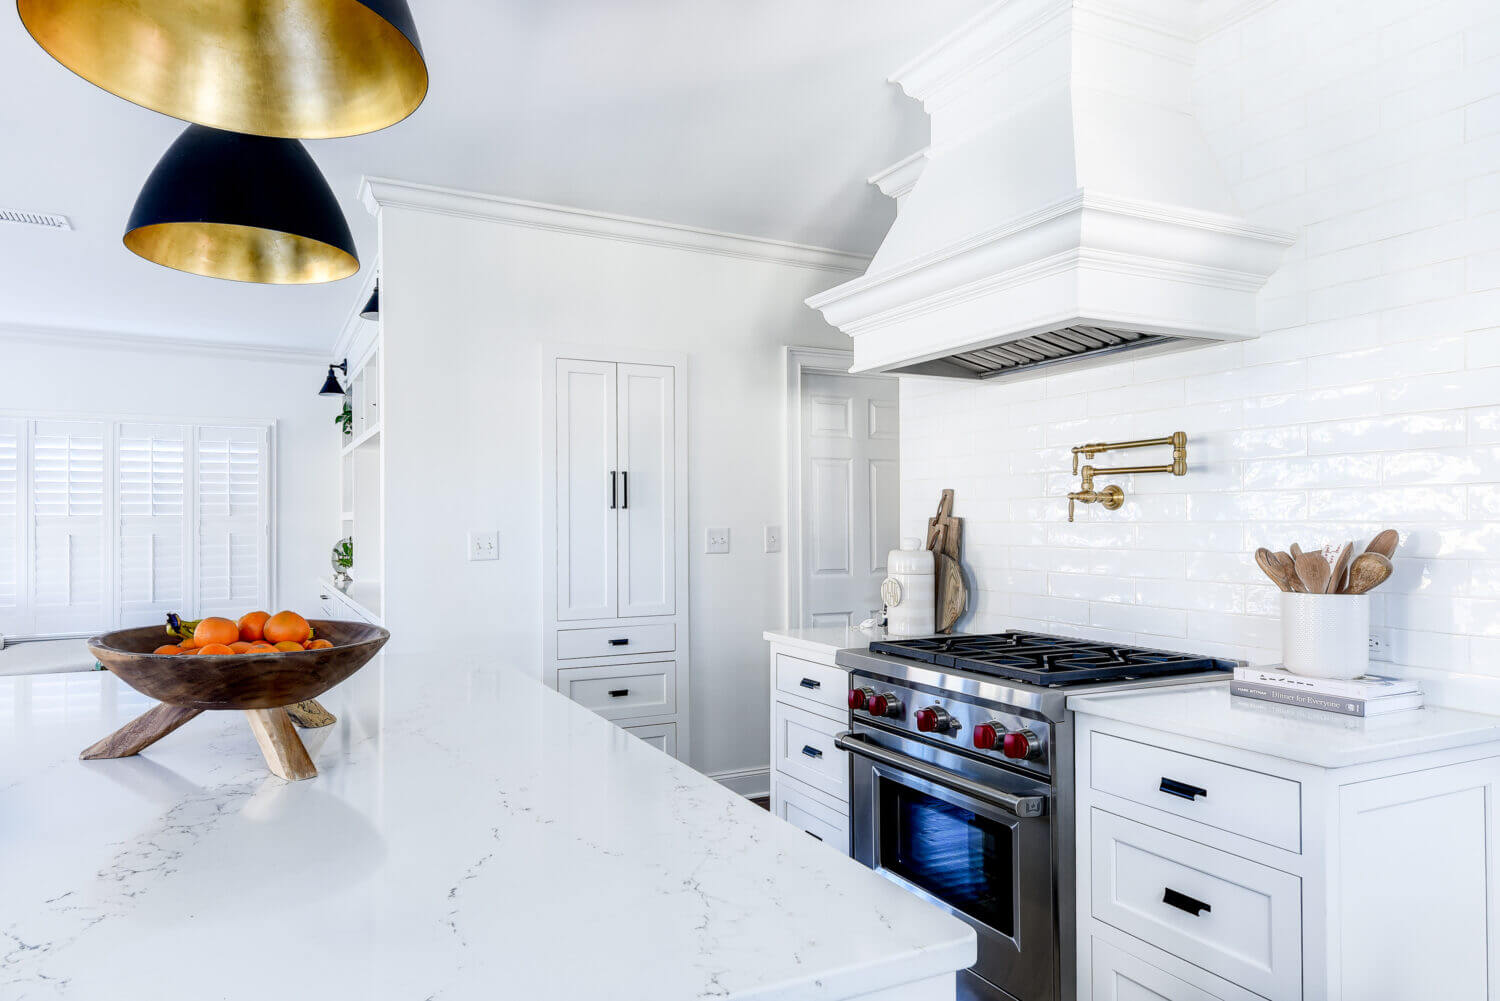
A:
(1019, 806)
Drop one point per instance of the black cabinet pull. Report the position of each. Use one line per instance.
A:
(811, 752)
(1181, 789)
(619, 693)
(1183, 902)
(812, 835)
(613, 484)
(810, 683)
(624, 642)
(624, 491)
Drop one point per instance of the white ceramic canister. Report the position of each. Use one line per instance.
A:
(1325, 635)
(910, 592)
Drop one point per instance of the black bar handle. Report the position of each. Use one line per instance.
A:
(810, 683)
(811, 752)
(1181, 789)
(612, 485)
(625, 491)
(623, 642)
(812, 835)
(1183, 902)
(619, 693)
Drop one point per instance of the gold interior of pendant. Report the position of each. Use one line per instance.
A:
(241, 253)
(307, 69)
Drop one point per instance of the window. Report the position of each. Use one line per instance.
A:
(110, 524)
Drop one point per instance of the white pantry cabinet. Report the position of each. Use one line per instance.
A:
(615, 536)
(1234, 851)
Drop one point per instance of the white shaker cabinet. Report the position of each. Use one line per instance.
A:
(615, 548)
(1234, 851)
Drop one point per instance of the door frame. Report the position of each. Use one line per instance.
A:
(801, 361)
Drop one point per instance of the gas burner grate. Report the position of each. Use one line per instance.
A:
(1046, 660)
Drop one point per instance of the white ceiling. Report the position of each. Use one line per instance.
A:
(760, 117)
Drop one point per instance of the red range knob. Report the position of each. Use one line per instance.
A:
(927, 719)
(1017, 744)
(986, 736)
(877, 705)
(857, 698)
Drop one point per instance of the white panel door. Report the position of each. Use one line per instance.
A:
(850, 495)
(647, 444)
(587, 490)
(68, 503)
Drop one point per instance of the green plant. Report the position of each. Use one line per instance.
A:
(344, 554)
(345, 418)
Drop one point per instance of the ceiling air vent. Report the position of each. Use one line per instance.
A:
(35, 219)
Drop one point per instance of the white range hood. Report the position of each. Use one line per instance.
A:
(1068, 211)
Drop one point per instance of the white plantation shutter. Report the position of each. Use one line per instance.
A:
(14, 613)
(151, 506)
(68, 549)
(233, 541)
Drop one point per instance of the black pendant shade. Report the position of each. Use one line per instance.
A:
(305, 69)
(242, 207)
(372, 308)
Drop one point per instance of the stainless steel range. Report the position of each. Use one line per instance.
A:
(962, 784)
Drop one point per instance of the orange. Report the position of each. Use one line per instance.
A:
(319, 645)
(169, 649)
(215, 649)
(240, 646)
(186, 645)
(216, 630)
(253, 626)
(287, 627)
(288, 646)
(262, 647)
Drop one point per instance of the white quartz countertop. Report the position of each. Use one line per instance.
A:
(471, 835)
(824, 639)
(1209, 712)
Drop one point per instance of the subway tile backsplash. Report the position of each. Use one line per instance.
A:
(1372, 400)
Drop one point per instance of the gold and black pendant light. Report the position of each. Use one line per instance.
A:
(305, 69)
(242, 207)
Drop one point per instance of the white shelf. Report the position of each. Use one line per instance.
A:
(365, 437)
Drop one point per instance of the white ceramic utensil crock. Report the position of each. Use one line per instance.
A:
(1326, 635)
(910, 591)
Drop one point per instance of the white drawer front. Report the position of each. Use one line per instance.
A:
(820, 683)
(1248, 925)
(622, 691)
(799, 809)
(616, 641)
(1119, 976)
(662, 736)
(1262, 807)
(803, 748)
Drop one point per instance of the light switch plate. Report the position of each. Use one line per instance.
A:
(716, 540)
(773, 538)
(484, 546)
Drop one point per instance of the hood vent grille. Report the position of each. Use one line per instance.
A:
(1041, 351)
(35, 219)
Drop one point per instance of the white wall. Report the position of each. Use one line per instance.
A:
(467, 305)
(1373, 399)
(139, 378)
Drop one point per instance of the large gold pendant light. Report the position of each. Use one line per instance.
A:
(245, 208)
(306, 69)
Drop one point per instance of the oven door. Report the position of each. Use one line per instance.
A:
(972, 838)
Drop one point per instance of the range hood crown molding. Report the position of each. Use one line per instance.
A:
(1143, 252)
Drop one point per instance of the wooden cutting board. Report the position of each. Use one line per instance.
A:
(952, 592)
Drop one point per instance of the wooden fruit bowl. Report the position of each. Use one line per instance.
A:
(272, 689)
(238, 681)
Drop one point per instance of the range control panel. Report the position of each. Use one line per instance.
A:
(976, 729)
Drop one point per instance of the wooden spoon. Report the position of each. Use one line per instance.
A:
(1289, 571)
(1385, 543)
(1296, 550)
(1267, 562)
(1367, 572)
(1314, 572)
(1340, 578)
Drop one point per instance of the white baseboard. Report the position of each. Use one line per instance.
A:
(745, 781)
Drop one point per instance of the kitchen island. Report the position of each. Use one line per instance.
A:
(471, 834)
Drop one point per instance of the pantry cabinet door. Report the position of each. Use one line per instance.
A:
(587, 490)
(648, 516)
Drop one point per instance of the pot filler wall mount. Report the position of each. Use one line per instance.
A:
(1068, 213)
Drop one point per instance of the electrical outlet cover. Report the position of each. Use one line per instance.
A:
(773, 538)
(716, 540)
(484, 546)
(1380, 644)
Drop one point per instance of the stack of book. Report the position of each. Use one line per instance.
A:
(1371, 695)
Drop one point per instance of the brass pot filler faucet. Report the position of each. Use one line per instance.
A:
(1112, 496)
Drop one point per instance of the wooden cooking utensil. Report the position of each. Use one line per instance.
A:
(1385, 543)
(1314, 572)
(1367, 572)
(1340, 578)
(1267, 562)
(1289, 571)
(1296, 550)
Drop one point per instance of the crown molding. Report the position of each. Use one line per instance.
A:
(354, 324)
(82, 338)
(377, 193)
(897, 179)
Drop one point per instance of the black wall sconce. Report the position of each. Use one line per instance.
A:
(331, 385)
